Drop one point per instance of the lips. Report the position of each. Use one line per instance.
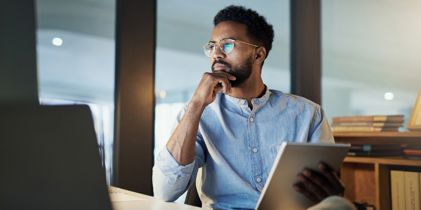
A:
(220, 67)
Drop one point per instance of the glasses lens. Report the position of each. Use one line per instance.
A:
(227, 47)
(208, 48)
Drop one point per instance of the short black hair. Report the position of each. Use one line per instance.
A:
(257, 27)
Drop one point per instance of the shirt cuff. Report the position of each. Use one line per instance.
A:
(169, 166)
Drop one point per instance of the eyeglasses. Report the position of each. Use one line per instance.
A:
(225, 45)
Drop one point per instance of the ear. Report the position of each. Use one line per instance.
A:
(260, 54)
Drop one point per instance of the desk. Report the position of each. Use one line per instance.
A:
(127, 200)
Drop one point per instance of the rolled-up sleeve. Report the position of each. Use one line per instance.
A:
(170, 179)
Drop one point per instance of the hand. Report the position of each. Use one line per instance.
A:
(210, 85)
(316, 186)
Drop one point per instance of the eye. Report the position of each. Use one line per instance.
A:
(210, 46)
(228, 47)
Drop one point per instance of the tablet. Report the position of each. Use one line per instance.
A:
(292, 158)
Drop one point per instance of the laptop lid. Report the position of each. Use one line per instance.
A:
(49, 159)
(292, 158)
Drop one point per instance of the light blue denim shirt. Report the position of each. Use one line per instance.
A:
(236, 147)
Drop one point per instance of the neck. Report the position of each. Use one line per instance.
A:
(249, 90)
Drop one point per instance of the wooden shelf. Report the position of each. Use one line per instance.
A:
(367, 179)
(399, 161)
(409, 137)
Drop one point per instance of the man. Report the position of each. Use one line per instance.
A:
(233, 125)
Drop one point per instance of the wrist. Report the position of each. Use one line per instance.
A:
(196, 106)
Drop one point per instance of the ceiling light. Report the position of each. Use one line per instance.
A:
(388, 96)
(57, 41)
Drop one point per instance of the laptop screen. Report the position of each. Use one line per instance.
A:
(49, 159)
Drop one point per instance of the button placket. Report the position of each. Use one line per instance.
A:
(254, 151)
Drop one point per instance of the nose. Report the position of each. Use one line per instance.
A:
(217, 53)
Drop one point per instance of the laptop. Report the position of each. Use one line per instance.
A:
(278, 192)
(49, 159)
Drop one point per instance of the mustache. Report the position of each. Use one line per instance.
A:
(220, 62)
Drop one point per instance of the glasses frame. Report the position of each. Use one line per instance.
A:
(221, 48)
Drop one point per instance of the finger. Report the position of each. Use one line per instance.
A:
(218, 88)
(298, 186)
(225, 85)
(229, 76)
(232, 77)
(333, 178)
(223, 82)
(313, 188)
(320, 180)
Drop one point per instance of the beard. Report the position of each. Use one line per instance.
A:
(241, 73)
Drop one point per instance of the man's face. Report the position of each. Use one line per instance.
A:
(241, 72)
(239, 61)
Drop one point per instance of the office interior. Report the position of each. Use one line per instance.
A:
(136, 63)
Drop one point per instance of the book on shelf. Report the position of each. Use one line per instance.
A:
(363, 129)
(370, 118)
(405, 190)
(376, 150)
(374, 153)
(368, 124)
(397, 185)
(412, 190)
(411, 152)
(375, 147)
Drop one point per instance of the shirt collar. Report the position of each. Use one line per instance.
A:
(257, 102)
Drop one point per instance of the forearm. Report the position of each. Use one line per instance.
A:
(181, 144)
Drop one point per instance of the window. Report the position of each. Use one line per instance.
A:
(75, 52)
(370, 57)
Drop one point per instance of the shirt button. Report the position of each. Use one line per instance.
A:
(258, 179)
(255, 150)
(251, 119)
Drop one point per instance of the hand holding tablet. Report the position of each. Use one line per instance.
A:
(279, 192)
(317, 185)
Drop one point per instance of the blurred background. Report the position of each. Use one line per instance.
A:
(370, 56)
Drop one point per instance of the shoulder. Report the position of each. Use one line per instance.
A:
(293, 101)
